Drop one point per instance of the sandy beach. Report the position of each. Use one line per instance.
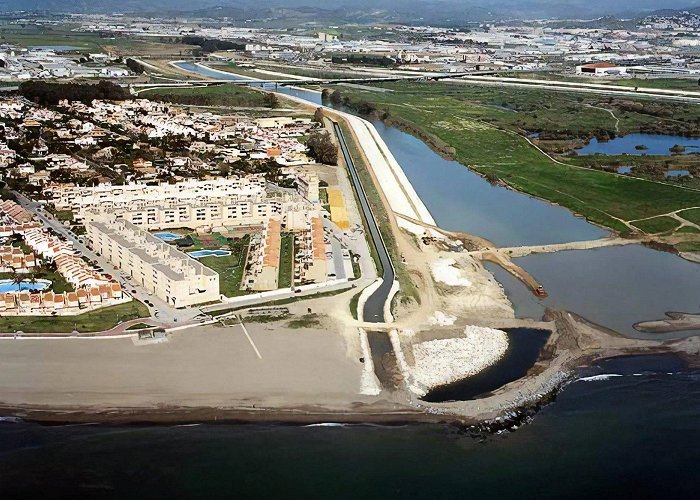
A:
(201, 367)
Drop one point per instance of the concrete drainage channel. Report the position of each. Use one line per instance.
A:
(376, 306)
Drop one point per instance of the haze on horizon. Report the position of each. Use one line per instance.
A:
(430, 9)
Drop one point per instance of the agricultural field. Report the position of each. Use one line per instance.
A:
(38, 36)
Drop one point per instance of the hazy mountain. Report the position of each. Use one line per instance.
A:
(429, 10)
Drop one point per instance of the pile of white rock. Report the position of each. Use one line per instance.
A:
(440, 318)
(441, 362)
(445, 271)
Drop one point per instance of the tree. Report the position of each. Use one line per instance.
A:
(32, 279)
(271, 100)
(16, 278)
(322, 148)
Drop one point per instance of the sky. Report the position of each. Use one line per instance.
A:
(431, 8)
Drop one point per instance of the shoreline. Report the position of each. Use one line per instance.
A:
(572, 346)
(510, 418)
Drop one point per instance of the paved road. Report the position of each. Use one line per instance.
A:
(253, 300)
(688, 96)
(296, 80)
(373, 311)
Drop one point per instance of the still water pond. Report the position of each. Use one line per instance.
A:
(524, 346)
(655, 145)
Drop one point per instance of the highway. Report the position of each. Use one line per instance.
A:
(373, 311)
(688, 96)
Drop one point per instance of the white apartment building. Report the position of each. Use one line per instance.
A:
(77, 198)
(160, 268)
(201, 215)
(200, 205)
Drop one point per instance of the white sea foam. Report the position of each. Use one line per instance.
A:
(327, 424)
(597, 378)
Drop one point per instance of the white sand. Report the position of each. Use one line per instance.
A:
(444, 271)
(440, 362)
(439, 318)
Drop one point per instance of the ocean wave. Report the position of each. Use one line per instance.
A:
(358, 424)
(597, 378)
(328, 424)
(10, 419)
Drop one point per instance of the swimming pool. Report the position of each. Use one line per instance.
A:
(166, 236)
(209, 253)
(8, 285)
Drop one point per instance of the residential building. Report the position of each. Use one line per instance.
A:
(158, 267)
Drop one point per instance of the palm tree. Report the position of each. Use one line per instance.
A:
(17, 278)
(32, 278)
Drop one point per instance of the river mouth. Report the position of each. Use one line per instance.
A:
(615, 287)
(524, 347)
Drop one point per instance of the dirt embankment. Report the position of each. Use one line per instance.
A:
(676, 322)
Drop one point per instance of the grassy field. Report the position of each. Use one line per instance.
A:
(657, 225)
(354, 303)
(64, 215)
(691, 246)
(486, 140)
(691, 215)
(286, 261)
(659, 83)
(213, 95)
(230, 268)
(93, 321)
